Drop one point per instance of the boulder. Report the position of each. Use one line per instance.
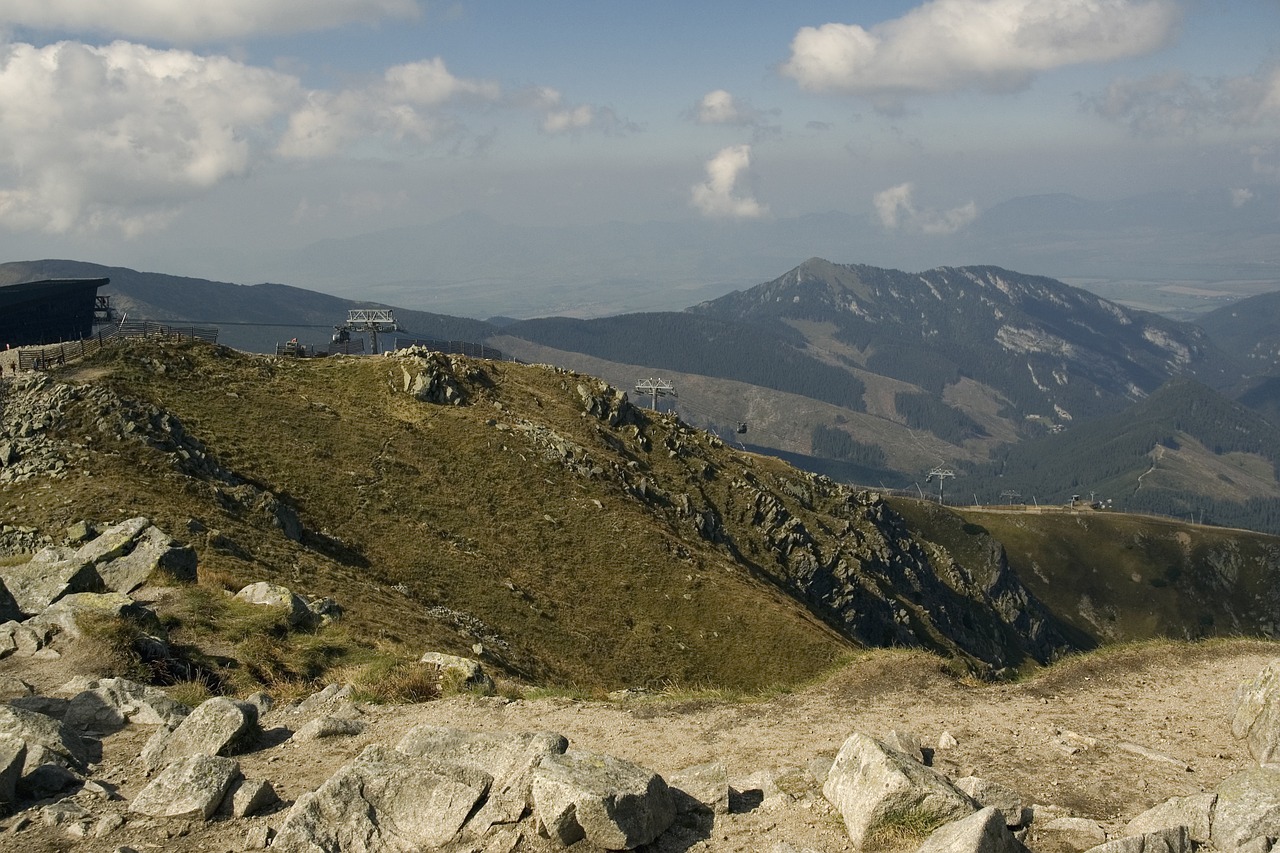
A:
(116, 541)
(63, 615)
(990, 794)
(249, 797)
(872, 786)
(12, 687)
(20, 638)
(192, 787)
(48, 741)
(468, 674)
(13, 755)
(152, 551)
(1194, 812)
(611, 803)
(219, 726)
(1171, 840)
(109, 704)
(1248, 806)
(906, 743)
(510, 759)
(1256, 714)
(708, 784)
(36, 584)
(327, 726)
(984, 831)
(274, 595)
(382, 801)
(9, 609)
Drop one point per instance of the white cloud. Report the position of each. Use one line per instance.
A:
(199, 21)
(1172, 103)
(720, 195)
(117, 137)
(1240, 196)
(559, 118)
(992, 45)
(896, 209)
(719, 107)
(403, 107)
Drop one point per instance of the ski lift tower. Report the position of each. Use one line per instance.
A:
(371, 320)
(656, 388)
(941, 474)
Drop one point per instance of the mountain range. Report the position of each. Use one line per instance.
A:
(1021, 387)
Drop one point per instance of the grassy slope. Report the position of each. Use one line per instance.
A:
(468, 517)
(1118, 577)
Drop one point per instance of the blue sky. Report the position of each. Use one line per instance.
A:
(134, 132)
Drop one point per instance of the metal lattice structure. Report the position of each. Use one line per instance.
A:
(372, 321)
(656, 388)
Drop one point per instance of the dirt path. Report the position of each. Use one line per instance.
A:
(1056, 740)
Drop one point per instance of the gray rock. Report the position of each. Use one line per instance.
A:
(382, 801)
(9, 609)
(1256, 717)
(13, 755)
(323, 727)
(219, 726)
(191, 787)
(116, 541)
(906, 743)
(258, 837)
(706, 783)
(1261, 844)
(869, 783)
(1248, 806)
(37, 584)
(109, 704)
(465, 672)
(509, 758)
(19, 638)
(108, 824)
(611, 803)
(152, 551)
(14, 688)
(1194, 812)
(47, 780)
(331, 694)
(274, 595)
(1172, 840)
(48, 740)
(63, 615)
(80, 531)
(983, 831)
(990, 794)
(62, 815)
(249, 797)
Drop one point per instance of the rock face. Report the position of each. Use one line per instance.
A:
(382, 801)
(66, 613)
(13, 755)
(611, 803)
(47, 740)
(1194, 812)
(873, 786)
(46, 578)
(192, 787)
(217, 727)
(1256, 720)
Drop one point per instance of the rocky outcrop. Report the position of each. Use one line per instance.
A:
(1256, 717)
(107, 705)
(464, 673)
(983, 831)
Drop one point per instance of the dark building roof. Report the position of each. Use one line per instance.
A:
(49, 311)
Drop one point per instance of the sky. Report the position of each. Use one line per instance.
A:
(170, 135)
